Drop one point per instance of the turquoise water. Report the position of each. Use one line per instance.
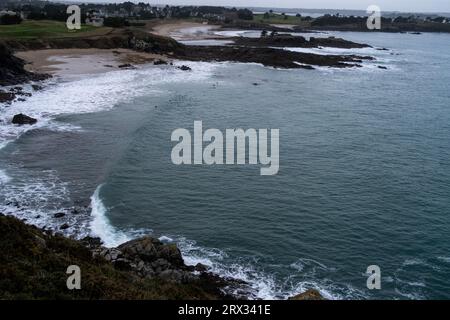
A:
(364, 168)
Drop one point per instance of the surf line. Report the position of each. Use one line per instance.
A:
(190, 150)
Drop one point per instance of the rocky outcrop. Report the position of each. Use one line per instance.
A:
(270, 57)
(184, 68)
(333, 42)
(288, 40)
(34, 263)
(310, 294)
(6, 97)
(22, 119)
(12, 69)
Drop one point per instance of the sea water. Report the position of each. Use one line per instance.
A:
(364, 173)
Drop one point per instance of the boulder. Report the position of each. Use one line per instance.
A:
(6, 96)
(21, 119)
(91, 242)
(160, 62)
(184, 68)
(59, 215)
(310, 294)
(149, 249)
(64, 226)
(126, 66)
(200, 267)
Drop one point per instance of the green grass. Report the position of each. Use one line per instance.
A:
(277, 18)
(43, 29)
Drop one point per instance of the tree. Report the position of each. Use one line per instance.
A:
(115, 22)
(10, 19)
(245, 14)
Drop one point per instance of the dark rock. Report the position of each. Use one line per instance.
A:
(6, 96)
(159, 62)
(270, 57)
(16, 89)
(111, 254)
(122, 264)
(91, 242)
(126, 66)
(200, 267)
(76, 210)
(184, 68)
(288, 40)
(12, 69)
(64, 226)
(21, 93)
(116, 52)
(336, 43)
(177, 276)
(21, 119)
(160, 265)
(36, 87)
(310, 294)
(59, 215)
(21, 99)
(382, 67)
(150, 249)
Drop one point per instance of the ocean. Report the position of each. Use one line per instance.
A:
(364, 168)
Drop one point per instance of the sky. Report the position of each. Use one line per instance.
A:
(386, 5)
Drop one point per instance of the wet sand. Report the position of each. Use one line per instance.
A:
(65, 62)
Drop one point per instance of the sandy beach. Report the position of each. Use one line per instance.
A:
(64, 62)
(182, 30)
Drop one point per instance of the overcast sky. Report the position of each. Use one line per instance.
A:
(387, 5)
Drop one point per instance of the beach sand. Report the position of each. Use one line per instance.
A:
(183, 30)
(66, 62)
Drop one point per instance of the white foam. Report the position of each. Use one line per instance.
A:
(100, 225)
(36, 197)
(4, 178)
(263, 285)
(444, 259)
(94, 93)
(165, 239)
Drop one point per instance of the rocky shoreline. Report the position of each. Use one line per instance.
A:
(34, 263)
(245, 50)
(12, 71)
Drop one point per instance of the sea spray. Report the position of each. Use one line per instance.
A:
(100, 225)
(4, 178)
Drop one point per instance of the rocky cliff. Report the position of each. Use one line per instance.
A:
(12, 69)
(33, 265)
